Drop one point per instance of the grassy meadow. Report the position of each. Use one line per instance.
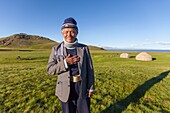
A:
(121, 85)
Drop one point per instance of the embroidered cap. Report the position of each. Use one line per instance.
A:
(69, 23)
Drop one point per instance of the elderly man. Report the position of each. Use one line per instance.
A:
(71, 61)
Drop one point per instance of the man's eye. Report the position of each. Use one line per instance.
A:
(66, 32)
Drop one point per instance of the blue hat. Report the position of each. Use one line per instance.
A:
(69, 23)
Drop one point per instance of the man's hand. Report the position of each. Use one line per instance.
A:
(72, 60)
(89, 94)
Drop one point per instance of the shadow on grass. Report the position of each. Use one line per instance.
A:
(153, 58)
(134, 97)
(132, 56)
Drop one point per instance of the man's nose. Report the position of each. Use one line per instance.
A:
(69, 33)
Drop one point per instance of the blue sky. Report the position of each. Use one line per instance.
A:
(141, 24)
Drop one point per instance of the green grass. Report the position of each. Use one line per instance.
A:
(121, 85)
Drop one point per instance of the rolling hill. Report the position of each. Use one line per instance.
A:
(25, 41)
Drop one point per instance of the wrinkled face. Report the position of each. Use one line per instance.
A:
(69, 34)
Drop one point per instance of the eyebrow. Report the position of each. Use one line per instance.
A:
(69, 30)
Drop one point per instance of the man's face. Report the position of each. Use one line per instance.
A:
(69, 34)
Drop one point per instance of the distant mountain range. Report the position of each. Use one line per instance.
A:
(25, 41)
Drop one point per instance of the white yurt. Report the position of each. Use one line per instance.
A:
(124, 55)
(144, 56)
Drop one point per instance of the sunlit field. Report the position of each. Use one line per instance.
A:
(121, 85)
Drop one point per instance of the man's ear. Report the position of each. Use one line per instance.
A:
(62, 33)
(77, 32)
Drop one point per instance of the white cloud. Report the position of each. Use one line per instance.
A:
(163, 43)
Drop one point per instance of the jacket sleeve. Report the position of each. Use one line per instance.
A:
(55, 66)
(90, 72)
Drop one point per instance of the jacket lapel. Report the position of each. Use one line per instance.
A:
(63, 49)
(80, 53)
